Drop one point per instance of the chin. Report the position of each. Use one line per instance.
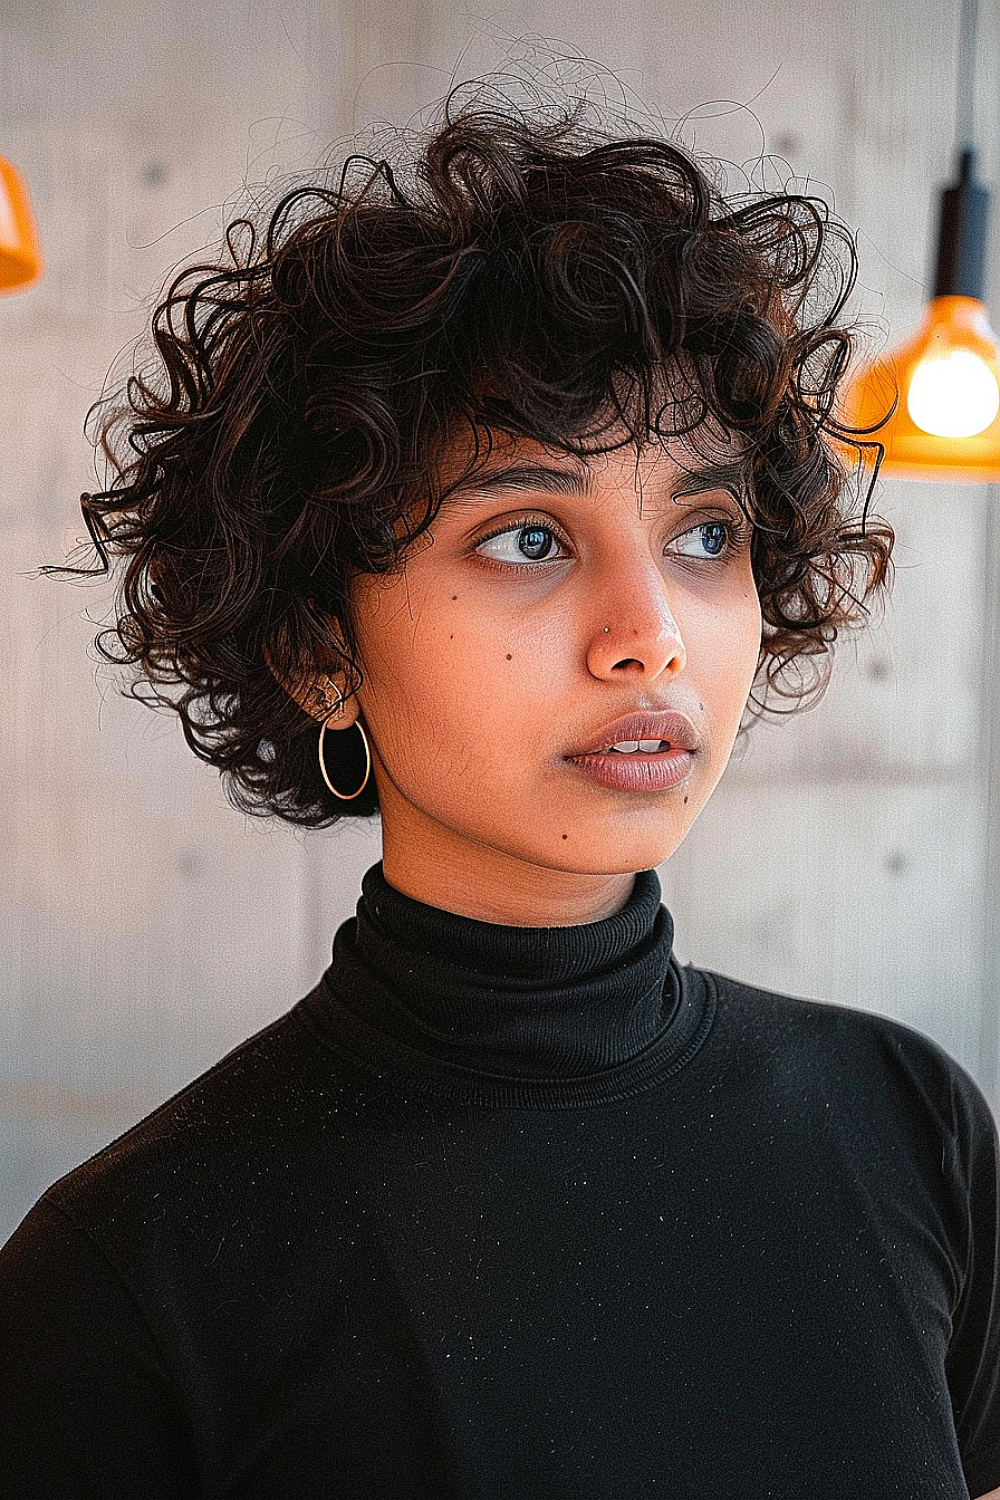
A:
(621, 855)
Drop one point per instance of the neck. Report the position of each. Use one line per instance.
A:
(489, 885)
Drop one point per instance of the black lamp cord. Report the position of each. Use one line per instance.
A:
(965, 83)
(961, 247)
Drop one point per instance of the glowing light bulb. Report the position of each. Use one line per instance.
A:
(953, 395)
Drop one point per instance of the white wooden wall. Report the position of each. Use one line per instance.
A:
(144, 925)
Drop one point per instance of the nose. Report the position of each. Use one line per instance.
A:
(634, 632)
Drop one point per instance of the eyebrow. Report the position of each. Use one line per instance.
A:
(731, 476)
(542, 477)
(524, 477)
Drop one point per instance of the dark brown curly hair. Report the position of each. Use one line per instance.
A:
(510, 275)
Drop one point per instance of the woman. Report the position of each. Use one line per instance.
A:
(482, 494)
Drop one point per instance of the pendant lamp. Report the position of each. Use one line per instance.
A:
(935, 400)
(20, 253)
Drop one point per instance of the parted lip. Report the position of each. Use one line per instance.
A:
(653, 724)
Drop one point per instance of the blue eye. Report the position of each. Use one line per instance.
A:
(710, 539)
(521, 544)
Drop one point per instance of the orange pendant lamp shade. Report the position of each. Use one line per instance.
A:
(20, 252)
(937, 397)
(945, 383)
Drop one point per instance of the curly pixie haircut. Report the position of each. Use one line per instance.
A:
(511, 276)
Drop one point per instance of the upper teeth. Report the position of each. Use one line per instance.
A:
(629, 747)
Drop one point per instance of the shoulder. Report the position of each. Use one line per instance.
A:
(202, 1144)
(868, 1062)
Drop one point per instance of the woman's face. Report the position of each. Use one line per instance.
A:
(556, 609)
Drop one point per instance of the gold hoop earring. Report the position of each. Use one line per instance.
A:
(345, 796)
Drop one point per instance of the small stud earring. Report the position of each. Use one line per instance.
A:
(329, 700)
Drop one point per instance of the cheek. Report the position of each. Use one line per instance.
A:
(750, 636)
(726, 655)
(723, 678)
(426, 688)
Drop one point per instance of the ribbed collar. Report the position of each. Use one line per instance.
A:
(438, 996)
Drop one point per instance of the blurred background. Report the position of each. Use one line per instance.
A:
(851, 853)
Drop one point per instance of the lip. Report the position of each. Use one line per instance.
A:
(651, 724)
(642, 772)
(636, 773)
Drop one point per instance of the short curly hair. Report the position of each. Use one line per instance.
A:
(531, 277)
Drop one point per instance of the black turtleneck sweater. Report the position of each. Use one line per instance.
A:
(500, 1213)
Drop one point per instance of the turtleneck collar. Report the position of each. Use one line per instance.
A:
(442, 996)
(528, 1002)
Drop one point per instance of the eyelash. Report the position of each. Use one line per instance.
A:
(526, 523)
(737, 536)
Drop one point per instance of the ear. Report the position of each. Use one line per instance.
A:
(323, 695)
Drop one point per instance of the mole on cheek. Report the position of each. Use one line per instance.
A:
(509, 657)
(565, 835)
(453, 598)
